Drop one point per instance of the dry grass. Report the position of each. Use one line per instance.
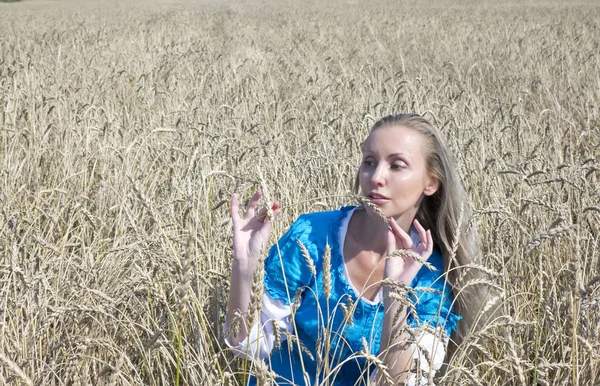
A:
(125, 130)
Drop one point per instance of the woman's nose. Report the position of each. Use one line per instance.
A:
(378, 177)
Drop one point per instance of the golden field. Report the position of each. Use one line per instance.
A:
(126, 127)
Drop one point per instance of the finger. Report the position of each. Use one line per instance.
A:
(401, 235)
(253, 203)
(265, 230)
(429, 243)
(235, 209)
(261, 215)
(391, 242)
(421, 232)
(276, 209)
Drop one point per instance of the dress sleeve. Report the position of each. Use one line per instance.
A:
(261, 339)
(429, 351)
(286, 266)
(286, 270)
(434, 299)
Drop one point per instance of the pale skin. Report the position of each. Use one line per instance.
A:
(250, 235)
(394, 172)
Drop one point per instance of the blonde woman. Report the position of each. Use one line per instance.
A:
(332, 264)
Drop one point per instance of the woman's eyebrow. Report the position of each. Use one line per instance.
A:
(400, 154)
(369, 152)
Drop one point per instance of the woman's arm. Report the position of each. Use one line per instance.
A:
(242, 273)
(427, 349)
(250, 234)
(272, 327)
(398, 353)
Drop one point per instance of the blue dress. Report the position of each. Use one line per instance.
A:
(326, 339)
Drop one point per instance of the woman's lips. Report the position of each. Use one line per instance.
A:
(378, 199)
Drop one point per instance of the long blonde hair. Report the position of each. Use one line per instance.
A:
(447, 213)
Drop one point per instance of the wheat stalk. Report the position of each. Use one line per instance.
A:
(307, 258)
(16, 369)
(327, 272)
(412, 255)
(367, 202)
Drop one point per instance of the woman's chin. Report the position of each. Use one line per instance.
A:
(377, 212)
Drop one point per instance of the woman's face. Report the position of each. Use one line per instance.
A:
(393, 173)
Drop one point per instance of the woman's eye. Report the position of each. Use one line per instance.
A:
(368, 162)
(397, 166)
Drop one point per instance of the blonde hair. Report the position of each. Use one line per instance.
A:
(447, 213)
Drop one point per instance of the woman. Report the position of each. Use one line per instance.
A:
(332, 281)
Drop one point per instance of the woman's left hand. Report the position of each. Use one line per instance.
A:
(405, 268)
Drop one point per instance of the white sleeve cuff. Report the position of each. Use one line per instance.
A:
(430, 345)
(429, 349)
(261, 340)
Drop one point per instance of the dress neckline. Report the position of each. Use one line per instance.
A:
(342, 240)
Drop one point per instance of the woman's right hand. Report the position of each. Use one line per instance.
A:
(404, 268)
(251, 233)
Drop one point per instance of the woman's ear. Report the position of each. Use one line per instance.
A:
(431, 186)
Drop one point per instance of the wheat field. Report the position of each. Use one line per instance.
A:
(126, 127)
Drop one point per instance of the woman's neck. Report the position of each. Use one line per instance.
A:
(371, 231)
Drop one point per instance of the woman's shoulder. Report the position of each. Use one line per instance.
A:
(432, 274)
(314, 231)
(318, 222)
(437, 260)
(433, 293)
(287, 265)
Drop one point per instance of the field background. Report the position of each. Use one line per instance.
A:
(125, 128)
